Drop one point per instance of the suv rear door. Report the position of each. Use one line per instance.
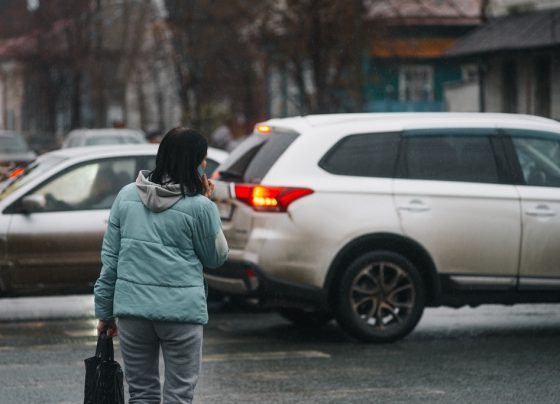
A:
(453, 198)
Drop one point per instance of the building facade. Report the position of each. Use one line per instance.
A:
(518, 58)
(405, 69)
(55, 77)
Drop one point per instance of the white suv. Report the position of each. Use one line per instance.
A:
(372, 217)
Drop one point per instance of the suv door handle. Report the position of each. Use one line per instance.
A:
(414, 205)
(540, 211)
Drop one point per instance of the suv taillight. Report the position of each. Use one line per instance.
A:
(269, 199)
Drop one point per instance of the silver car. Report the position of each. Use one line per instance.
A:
(98, 137)
(54, 215)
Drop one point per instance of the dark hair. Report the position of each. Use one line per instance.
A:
(180, 153)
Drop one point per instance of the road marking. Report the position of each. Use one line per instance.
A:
(82, 333)
(263, 356)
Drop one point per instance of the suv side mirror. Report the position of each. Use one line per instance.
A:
(33, 203)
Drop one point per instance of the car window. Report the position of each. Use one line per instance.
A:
(103, 140)
(367, 155)
(133, 140)
(450, 158)
(74, 141)
(88, 186)
(13, 144)
(251, 160)
(267, 155)
(539, 159)
(211, 166)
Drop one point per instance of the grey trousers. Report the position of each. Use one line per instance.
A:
(181, 344)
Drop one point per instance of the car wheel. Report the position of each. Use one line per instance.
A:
(380, 297)
(306, 318)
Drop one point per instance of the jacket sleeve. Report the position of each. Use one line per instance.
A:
(210, 245)
(105, 286)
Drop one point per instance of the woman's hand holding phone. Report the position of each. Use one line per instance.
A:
(206, 183)
(208, 186)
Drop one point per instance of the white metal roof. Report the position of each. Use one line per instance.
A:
(404, 120)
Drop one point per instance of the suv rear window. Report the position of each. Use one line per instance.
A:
(367, 155)
(252, 159)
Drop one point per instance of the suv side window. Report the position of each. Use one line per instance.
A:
(450, 158)
(367, 155)
(539, 159)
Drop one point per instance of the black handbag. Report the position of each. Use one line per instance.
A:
(104, 376)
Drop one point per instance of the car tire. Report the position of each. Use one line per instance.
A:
(305, 318)
(380, 297)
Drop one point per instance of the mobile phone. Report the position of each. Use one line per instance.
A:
(201, 171)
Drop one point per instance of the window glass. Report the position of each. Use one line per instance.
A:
(74, 141)
(103, 140)
(267, 155)
(416, 83)
(451, 158)
(251, 160)
(234, 167)
(211, 166)
(369, 155)
(540, 160)
(90, 186)
(148, 163)
(13, 144)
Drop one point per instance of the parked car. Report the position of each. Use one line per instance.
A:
(14, 152)
(98, 137)
(372, 217)
(54, 215)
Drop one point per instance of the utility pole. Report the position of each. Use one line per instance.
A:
(98, 66)
(361, 56)
(484, 5)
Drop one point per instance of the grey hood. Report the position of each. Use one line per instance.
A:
(156, 197)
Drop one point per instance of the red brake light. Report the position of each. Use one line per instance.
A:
(16, 172)
(269, 199)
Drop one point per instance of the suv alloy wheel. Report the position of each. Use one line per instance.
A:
(380, 297)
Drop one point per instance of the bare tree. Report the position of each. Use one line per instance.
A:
(216, 58)
(320, 44)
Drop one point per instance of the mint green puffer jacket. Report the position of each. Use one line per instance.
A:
(154, 250)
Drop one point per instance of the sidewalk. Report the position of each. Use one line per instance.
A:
(46, 308)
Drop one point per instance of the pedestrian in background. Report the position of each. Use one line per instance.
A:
(154, 136)
(162, 231)
(223, 136)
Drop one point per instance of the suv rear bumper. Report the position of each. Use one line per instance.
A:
(239, 278)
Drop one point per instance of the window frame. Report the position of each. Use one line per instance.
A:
(496, 146)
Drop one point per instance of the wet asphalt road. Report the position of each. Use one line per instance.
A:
(492, 354)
